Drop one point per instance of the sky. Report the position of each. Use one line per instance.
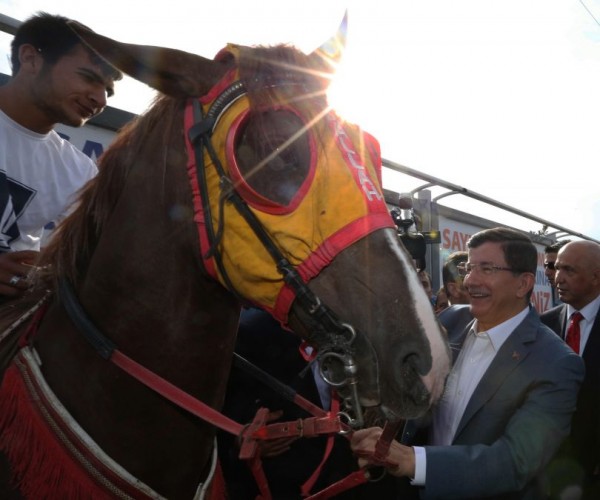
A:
(501, 98)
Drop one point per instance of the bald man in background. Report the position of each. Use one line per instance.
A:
(577, 282)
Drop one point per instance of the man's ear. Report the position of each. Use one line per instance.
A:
(30, 58)
(526, 283)
(596, 276)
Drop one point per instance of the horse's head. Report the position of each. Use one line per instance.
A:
(291, 217)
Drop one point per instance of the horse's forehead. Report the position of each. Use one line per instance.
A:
(271, 72)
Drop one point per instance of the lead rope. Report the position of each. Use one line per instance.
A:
(379, 456)
(310, 482)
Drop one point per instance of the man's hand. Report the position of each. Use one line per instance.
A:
(14, 271)
(274, 447)
(401, 458)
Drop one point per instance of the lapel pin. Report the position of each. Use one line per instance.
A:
(516, 356)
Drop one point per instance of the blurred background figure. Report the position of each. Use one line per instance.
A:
(425, 279)
(453, 281)
(441, 300)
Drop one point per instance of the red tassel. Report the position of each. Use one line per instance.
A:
(41, 467)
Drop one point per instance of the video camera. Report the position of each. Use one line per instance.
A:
(405, 219)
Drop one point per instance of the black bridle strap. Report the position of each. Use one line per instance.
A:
(101, 344)
(199, 133)
(278, 387)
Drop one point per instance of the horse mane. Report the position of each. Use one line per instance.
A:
(71, 247)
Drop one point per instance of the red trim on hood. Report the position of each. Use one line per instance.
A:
(324, 255)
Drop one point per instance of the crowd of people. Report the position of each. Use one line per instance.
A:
(520, 415)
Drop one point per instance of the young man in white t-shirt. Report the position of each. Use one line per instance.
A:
(56, 79)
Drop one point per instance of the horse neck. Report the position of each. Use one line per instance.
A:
(145, 289)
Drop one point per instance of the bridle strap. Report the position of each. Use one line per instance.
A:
(379, 456)
(279, 388)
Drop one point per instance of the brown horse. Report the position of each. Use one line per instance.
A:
(239, 185)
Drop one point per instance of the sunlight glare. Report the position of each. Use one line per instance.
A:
(341, 94)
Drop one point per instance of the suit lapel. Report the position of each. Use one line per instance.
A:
(591, 352)
(457, 340)
(562, 318)
(512, 353)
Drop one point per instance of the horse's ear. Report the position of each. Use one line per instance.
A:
(330, 53)
(172, 72)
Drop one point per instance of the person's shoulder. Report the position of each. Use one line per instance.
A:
(454, 310)
(554, 310)
(73, 157)
(459, 314)
(552, 313)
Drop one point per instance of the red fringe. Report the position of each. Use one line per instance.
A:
(41, 467)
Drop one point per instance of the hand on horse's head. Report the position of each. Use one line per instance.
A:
(14, 271)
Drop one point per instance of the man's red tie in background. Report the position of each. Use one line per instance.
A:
(573, 333)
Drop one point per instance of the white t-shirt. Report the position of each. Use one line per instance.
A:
(40, 175)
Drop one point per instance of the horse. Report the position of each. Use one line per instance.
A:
(238, 186)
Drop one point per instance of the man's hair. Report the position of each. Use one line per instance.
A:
(53, 38)
(556, 246)
(519, 251)
(450, 267)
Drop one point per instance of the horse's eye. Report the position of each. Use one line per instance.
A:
(272, 153)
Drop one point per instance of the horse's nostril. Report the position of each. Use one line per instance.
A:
(412, 363)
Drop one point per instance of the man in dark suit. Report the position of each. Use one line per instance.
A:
(510, 394)
(578, 284)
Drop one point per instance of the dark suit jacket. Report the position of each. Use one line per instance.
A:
(514, 422)
(585, 433)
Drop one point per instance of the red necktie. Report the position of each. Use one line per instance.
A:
(573, 333)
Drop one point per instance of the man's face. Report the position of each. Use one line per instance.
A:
(73, 90)
(498, 295)
(576, 282)
(549, 271)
